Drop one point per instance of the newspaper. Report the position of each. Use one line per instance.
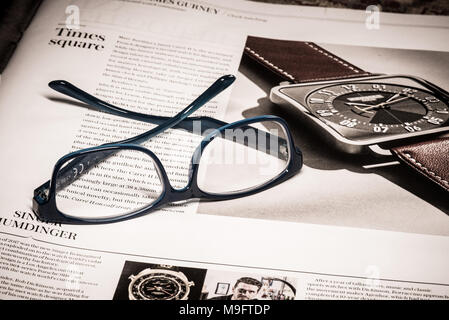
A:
(304, 239)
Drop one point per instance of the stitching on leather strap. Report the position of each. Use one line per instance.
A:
(258, 56)
(433, 174)
(338, 77)
(332, 57)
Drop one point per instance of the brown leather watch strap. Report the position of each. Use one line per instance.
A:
(298, 61)
(430, 158)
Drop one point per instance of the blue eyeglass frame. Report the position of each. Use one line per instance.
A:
(44, 200)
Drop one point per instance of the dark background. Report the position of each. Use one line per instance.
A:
(435, 7)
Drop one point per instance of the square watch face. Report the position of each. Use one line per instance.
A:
(369, 112)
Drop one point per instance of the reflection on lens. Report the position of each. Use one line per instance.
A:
(243, 158)
(107, 183)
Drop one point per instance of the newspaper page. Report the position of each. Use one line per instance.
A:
(334, 231)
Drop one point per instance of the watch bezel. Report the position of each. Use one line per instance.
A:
(278, 97)
(149, 271)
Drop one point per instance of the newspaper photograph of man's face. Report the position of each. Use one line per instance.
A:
(229, 285)
(334, 187)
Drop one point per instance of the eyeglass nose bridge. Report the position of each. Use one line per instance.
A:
(180, 194)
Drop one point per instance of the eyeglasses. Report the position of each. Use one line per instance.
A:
(122, 180)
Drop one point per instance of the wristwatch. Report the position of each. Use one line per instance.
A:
(161, 283)
(360, 112)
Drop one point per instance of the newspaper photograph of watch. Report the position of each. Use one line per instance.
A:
(359, 112)
(151, 281)
(162, 283)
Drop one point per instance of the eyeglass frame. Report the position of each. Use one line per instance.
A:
(44, 200)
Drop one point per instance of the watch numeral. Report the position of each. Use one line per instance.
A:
(381, 129)
(349, 123)
(316, 100)
(432, 99)
(411, 128)
(434, 120)
(409, 90)
(379, 86)
(350, 87)
(324, 113)
(327, 92)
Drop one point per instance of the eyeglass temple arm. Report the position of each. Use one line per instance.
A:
(70, 90)
(186, 123)
(217, 87)
(65, 176)
(266, 142)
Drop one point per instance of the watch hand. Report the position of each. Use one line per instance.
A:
(388, 102)
(393, 97)
(368, 106)
(358, 104)
(362, 109)
(164, 291)
(380, 105)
